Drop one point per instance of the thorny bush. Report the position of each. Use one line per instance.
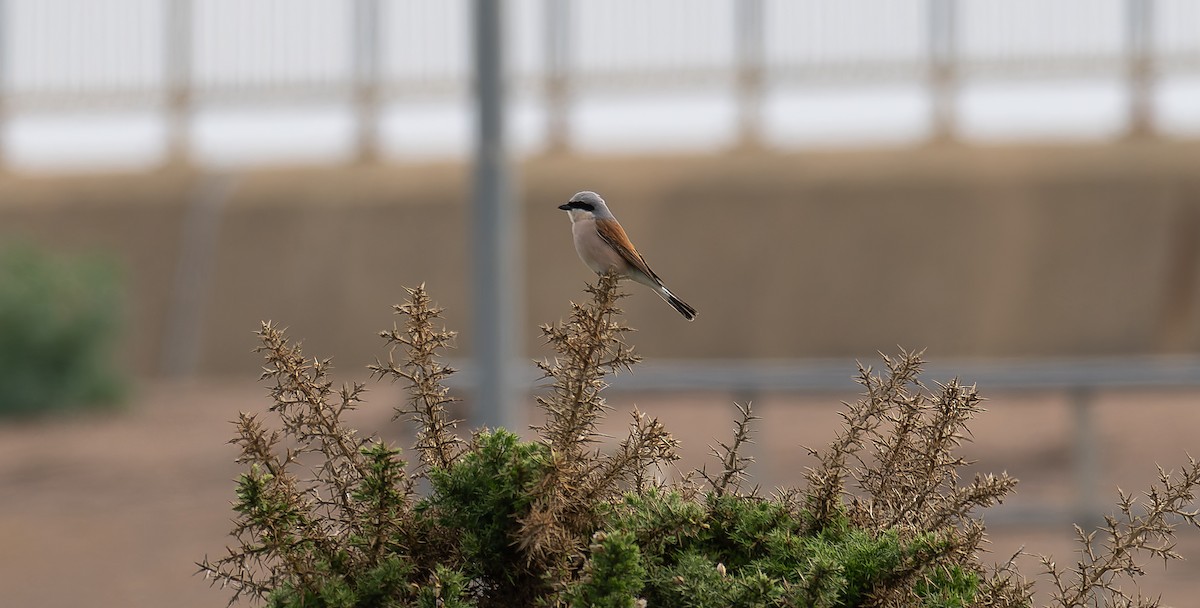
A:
(326, 517)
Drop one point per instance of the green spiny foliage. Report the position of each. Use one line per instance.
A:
(326, 518)
(445, 588)
(743, 551)
(482, 497)
(948, 588)
(613, 574)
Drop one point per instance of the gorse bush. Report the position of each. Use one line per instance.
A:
(329, 518)
(59, 320)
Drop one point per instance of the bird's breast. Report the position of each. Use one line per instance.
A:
(593, 250)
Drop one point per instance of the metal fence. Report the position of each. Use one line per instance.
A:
(178, 57)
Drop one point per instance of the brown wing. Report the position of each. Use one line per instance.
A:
(615, 236)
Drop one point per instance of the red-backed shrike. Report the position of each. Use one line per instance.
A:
(602, 244)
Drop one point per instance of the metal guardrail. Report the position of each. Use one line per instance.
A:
(808, 376)
(1080, 379)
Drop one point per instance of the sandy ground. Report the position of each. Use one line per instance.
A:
(114, 510)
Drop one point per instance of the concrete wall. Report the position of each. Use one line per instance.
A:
(990, 252)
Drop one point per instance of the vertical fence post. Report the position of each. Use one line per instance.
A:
(367, 76)
(749, 79)
(183, 338)
(1086, 456)
(495, 260)
(6, 88)
(556, 32)
(178, 80)
(943, 49)
(1139, 39)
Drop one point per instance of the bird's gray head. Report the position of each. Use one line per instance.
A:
(586, 203)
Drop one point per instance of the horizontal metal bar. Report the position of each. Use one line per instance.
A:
(837, 375)
(77, 96)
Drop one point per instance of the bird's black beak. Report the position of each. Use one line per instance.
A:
(565, 206)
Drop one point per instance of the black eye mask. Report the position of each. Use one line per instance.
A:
(577, 205)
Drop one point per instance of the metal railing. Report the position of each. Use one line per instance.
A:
(1078, 379)
(179, 57)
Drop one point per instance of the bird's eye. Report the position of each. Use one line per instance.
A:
(587, 206)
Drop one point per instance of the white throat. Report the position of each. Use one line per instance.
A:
(579, 215)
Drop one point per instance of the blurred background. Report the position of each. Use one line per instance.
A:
(1013, 186)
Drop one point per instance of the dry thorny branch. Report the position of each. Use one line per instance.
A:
(354, 503)
(283, 516)
(425, 375)
(893, 468)
(1115, 552)
(734, 463)
(590, 345)
(898, 444)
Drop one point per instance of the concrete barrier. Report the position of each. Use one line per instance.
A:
(1066, 251)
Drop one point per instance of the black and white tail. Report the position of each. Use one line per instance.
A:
(684, 309)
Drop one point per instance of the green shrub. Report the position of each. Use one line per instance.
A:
(482, 497)
(613, 575)
(329, 519)
(60, 317)
(744, 551)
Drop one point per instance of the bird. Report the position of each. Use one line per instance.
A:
(602, 244)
